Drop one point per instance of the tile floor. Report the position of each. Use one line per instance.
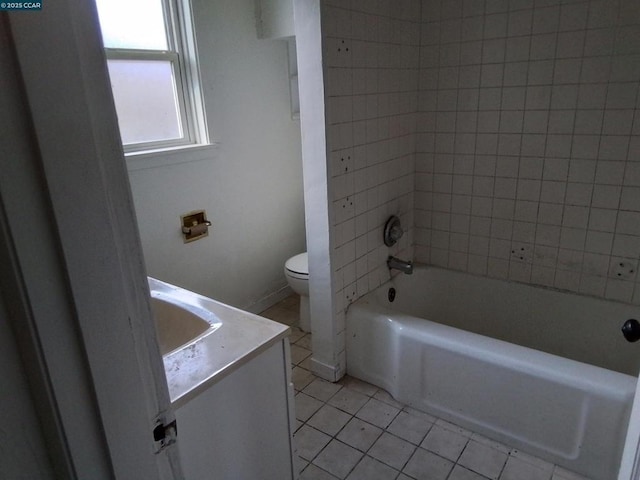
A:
(353, 430)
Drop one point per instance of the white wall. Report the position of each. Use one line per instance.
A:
(250, 185)
(326, 348)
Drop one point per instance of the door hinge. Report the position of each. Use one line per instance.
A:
(165, 435)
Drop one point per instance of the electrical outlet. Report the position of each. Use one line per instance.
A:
(623, 269)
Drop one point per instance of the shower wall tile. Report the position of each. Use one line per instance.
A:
(371, 63)
(528, 142)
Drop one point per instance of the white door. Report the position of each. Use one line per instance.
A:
(72, 276)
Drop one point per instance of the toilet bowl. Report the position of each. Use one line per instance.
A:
(296, 270)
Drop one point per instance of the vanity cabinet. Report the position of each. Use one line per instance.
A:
(241, 426)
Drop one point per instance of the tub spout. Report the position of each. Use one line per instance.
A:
(404, 267)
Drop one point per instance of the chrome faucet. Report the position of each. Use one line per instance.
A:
(404, 267)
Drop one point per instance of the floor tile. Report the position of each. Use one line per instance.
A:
(359, 434)
(306, 363)
(301, 463)
(310, 442)
(348, 400)
(392, 451)
(424, 465)
(538, 462)
(482, 459)
(321, 389)
(301, 378)
(298, 354)
(291, 318)
(491, 443)
(461, 473)
(329, 420)
(272, 312)
(281, 315)
(292, 302)
(295, 335)
(388, 399)
(314, 473)
(378, 413)
(358, 385)
(409, 427)
(417, 413)
(304, 341)
(453, 427)
(518, 469)
(446, 443)
(338, 458)
(371, 469)
(560, 473)
(306, 406)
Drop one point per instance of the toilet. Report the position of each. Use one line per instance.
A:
(296, 269)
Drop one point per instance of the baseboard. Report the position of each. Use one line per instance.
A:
(270, 300)
(331, 373)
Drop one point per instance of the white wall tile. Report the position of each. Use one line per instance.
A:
(579, 194)
(526, 121)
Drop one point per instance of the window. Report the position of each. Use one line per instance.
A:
(150, 51)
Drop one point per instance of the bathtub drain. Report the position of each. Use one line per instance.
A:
(392, 294)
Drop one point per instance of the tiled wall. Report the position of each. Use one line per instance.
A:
(528, 144)
(371, 63)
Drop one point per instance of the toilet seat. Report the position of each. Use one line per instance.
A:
(298, 266)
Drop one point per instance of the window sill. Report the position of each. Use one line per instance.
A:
(170, 156)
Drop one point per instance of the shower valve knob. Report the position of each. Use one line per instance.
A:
(392, 231)
(396, 232)
(631, 330)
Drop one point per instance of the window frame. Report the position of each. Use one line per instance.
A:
(183, 58)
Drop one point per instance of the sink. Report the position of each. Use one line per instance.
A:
(203, 341)
(175, 325)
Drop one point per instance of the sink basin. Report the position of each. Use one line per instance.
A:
(203, 341)
(175, 325)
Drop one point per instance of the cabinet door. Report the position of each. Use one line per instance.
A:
(240, 427)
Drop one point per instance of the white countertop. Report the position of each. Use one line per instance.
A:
(211, 357)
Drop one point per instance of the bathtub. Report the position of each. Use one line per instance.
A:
(543, 371)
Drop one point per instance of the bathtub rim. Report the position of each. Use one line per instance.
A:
(588, 336)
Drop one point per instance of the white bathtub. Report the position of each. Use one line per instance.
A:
(533, 367)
